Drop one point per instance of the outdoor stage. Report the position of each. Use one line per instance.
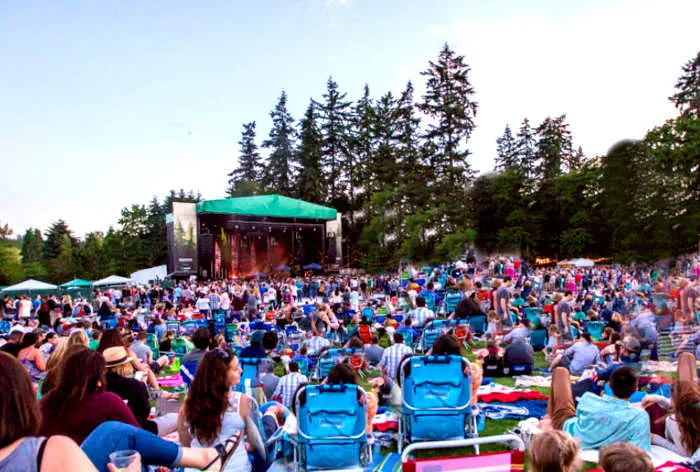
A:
(246, 235)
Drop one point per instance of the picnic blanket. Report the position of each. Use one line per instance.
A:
(386, 420)
(518, 410)
(659, 366)
(171, 381)
(532, 381)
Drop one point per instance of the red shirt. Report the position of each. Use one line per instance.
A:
(78, 421)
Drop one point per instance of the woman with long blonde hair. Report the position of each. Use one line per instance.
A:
(52, 365)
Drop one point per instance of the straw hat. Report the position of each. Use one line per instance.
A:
(115, 356)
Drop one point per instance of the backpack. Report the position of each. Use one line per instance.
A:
(493, 366)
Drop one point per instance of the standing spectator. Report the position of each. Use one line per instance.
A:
(502, 297)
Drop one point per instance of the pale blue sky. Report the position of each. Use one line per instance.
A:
(106, 103)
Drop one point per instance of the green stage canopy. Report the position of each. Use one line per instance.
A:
(268, 205)
(76, 283)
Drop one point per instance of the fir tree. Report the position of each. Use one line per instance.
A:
(553, 146)
(507, 149)
(279, 173)
(334, 124)
(448, 102)
(687, 98)
(310, 183)
(248, 169)
(527, 149)
(32, 246)
(54, 239)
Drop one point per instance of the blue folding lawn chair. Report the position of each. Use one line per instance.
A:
(452, 299)
(436, 399)
(173, 326)
(332, 428)
(250, 377)
(432, 330)
(326, 360)
(594, 328)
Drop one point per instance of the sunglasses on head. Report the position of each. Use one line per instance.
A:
(223, 353)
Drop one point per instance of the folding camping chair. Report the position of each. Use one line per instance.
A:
(180, 347)
(187, 372)
(173, 326)
(326, 360)
(503, 461)
(152, 343)
(594, 328)
(332, 428)
(407, 334)
(219, 323)
(431, 331)
(5, 327)
(452, 299)
(189, 327)
(250, 377)
(436, 399)
(477, 324)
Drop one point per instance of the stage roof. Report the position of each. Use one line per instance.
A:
(267, 205)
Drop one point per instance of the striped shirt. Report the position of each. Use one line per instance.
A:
(315, 344)
(392, 358)
(421, 315)
(287, 386)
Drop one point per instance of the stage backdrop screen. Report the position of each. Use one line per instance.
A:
(184, 240)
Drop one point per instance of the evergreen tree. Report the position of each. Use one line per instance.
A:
(507, 150)
(248, 169)
(383, 165)
(687, 98)
(448, 102)
(32, 246)
(553, 146)
(310, 183)
(279, 173)
(527, 149)
(575, 160)
(336, 162)
(54, 239)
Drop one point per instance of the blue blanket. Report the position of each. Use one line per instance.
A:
(514, 411)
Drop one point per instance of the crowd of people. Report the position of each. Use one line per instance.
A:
(81, 375)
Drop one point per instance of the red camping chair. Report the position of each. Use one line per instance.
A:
(504, 461)
(365, 333)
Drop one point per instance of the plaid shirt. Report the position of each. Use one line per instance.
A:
(287, 386)
(392, 358)
(315, 344)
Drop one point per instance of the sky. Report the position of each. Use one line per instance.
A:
(107, 104)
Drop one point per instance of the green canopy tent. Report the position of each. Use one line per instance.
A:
(77, 287)
(76, 283)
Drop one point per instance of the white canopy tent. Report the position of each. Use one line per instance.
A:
(144, 276)
(582, 262)
(111, 280)
(29, 285)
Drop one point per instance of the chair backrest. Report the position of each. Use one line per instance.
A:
(594, 328)
(252, 367)
(190, 326)
(180, 347)
(332, 410)
(477, 324)
(452, 299)
(368, 313)
(173, 326)
(327, 359)
(303, 364)
(220, 318)
(436, 382)
(5, 327)
(365, 333)
(538, 339)
(407, 334)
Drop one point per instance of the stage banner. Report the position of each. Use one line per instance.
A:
(185, 237)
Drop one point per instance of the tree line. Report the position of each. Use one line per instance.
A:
(139, 240)
(398, 168)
